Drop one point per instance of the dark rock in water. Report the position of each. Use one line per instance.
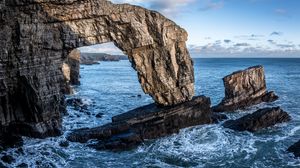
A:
(243, 89)
(78, 104)
(147, 122)
(22, 165)
(295, 148)
(8, 140)
(262, 118)
(7, 159)
(2, 165)
(64, 143)
(99, 115)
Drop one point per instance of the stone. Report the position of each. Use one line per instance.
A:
(295, 149)
(37, 42)
(8, 159)
(64, 143)
(71, 69)
(22, 165)
(78, 104)
(245, 88)
(262, 118)
(148, 122)
(99, 115)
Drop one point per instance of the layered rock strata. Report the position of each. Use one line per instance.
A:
(148, 122)
(262, 118)
(245, 88)
(38, 35)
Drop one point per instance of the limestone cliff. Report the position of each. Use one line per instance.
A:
(38, 35)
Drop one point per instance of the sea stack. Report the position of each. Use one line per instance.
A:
(245, 88)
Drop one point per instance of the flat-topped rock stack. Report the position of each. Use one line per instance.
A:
(245, 88)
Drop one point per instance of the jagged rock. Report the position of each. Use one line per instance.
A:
(295, 149)
(64, 143)
(243, 89)
(99, 115)
(38, 35)
(262, 118)
(78, 104)
(70, 69)
(147, 122)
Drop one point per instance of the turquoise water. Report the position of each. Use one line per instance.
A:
(112, 88)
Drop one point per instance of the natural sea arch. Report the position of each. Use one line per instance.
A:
(155, 45)
(43, 33)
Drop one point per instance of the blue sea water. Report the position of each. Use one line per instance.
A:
(111, 88)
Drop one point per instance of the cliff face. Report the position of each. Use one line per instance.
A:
(38, 35)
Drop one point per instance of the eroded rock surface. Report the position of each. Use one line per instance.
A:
(148, 122)
(71, 69)
(38, 35)
(262, 118)
(245, 88)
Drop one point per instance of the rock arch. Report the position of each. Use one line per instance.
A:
(43, 32)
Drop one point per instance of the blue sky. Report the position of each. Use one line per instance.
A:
(230, 28)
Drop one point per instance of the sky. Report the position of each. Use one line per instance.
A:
(229, 28)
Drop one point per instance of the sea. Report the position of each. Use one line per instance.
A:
(112, 88)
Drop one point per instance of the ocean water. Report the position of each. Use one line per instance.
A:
(111, 88)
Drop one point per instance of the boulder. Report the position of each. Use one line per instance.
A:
(295, 148)
(245, 88)
(148, 122)
(262, 118)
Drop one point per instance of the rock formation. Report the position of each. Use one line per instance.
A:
(70, 69)
(94, 58)
(38, 35)
(262, 118)
(245, 88)
(148, 122)
(295, 149)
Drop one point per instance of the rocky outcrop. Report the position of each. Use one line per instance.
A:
(245, 88)
(262, 118)
(38, 35)
(70, 69)
(94, 58)
(148, 122)
(295, 149)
